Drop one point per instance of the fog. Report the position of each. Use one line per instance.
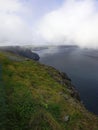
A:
(13, 28)
(74, 22)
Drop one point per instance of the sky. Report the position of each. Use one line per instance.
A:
(49, 22)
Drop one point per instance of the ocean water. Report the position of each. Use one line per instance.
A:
(81, 65)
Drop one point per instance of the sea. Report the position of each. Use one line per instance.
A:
(81, 65)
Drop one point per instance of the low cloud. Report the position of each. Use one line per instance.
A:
(13, 28)
(75, 22)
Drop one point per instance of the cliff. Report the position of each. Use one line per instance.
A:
(38, 97)
(21, 51)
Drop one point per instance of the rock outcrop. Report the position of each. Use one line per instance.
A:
(25, 52)
(63, 79)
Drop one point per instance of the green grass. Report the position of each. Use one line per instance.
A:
(34, 102)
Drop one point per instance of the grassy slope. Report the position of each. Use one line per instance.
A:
(36, 101)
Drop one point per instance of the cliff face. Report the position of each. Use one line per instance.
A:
(21, 51)
(39, 97)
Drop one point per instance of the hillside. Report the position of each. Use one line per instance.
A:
(38, 97)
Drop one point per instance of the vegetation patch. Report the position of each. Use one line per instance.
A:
(35, 98)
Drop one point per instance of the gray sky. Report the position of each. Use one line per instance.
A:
(41, 22)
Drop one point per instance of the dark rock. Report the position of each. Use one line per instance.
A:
(25, 52)
(66, 80)
(76, 95)
(65, 76)
(63, 79)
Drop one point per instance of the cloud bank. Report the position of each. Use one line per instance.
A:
(13, 28)
(75, 22)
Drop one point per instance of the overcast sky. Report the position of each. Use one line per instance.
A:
(52, 22)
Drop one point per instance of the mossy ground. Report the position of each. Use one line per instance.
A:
(34, 101)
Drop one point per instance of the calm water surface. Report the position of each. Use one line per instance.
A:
(81, 65)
